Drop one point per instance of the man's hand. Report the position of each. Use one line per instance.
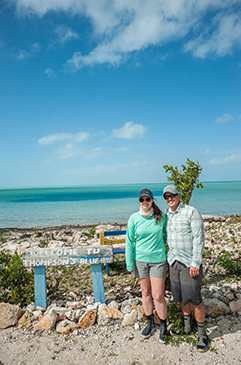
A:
(194, 271)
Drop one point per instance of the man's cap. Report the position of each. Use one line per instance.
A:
(170, 189)
(145, 192)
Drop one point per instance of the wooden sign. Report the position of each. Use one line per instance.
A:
(39, 258)
(54, 256)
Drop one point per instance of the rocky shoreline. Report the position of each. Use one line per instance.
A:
(76, 316)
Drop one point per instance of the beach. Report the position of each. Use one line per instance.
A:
(115, 343)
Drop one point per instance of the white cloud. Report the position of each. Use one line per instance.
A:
(224, 118)
(126, 26)
(221, 39)
(207, 151)
(69, 150)
(22, 54)
(68, 145)
(102, 54)
(60, 137)
(130, 130)
(65, 34)
(50, 72)
(119, 168)
(233, 157)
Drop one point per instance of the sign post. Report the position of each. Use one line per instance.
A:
(39, 258)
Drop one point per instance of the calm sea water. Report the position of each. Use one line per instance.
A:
(100, 204)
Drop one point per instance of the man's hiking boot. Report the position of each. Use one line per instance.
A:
(203, 344)
(187, 327)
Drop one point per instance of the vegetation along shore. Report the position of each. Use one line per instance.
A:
(73, 326)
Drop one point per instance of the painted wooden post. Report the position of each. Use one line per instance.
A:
(40, 286)
(39, 258)
(97, 280)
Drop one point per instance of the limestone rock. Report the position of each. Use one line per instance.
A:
(130, 318)
(141, 313)
(25, 320)
(64, 327)
(113, 313)
(235, 306)
(206, 293)
(215, 308)
(74, 305)
(126, 308)
(113, 305)
(103, 319)
(230, 295)
(37, 313)
(88, 319)
(30, 308)
(61, 317)
(9, 315)
(48, 321)
(94, 306)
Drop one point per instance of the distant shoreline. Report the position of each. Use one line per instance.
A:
(102, 185)
(206, 218)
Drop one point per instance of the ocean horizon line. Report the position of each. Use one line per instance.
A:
(102, 185)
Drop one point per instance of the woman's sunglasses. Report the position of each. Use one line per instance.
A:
(144, 199)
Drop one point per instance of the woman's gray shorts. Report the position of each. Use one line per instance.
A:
(144, 269)
(184, 287)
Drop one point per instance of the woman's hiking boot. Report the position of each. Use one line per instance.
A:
(163, 332)
(150, 328)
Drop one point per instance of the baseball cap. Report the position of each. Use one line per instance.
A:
(146, 192)
(170, 189)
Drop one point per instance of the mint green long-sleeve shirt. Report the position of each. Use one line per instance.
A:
(149, 246)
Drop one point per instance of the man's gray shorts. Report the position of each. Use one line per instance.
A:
(144, 269)
(184, 287)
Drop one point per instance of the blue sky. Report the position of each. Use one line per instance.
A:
(108, 91)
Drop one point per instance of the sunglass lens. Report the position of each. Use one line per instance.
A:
(169, 196)
(147, 199)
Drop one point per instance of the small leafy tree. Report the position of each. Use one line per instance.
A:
(186, 179)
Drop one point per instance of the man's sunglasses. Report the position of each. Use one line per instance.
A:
(144, 199)
(169, 196)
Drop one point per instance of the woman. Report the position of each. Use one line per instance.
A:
(146, 259)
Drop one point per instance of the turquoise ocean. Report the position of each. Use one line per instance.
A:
(32, 207)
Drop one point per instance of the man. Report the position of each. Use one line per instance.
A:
(185, 239)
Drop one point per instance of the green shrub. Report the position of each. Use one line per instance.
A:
(3, 238)
(230, 263)
(91, 232)
(16, 282)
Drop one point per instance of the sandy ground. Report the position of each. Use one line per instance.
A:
(117, 345)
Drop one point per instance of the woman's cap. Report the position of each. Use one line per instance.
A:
(145, 192)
